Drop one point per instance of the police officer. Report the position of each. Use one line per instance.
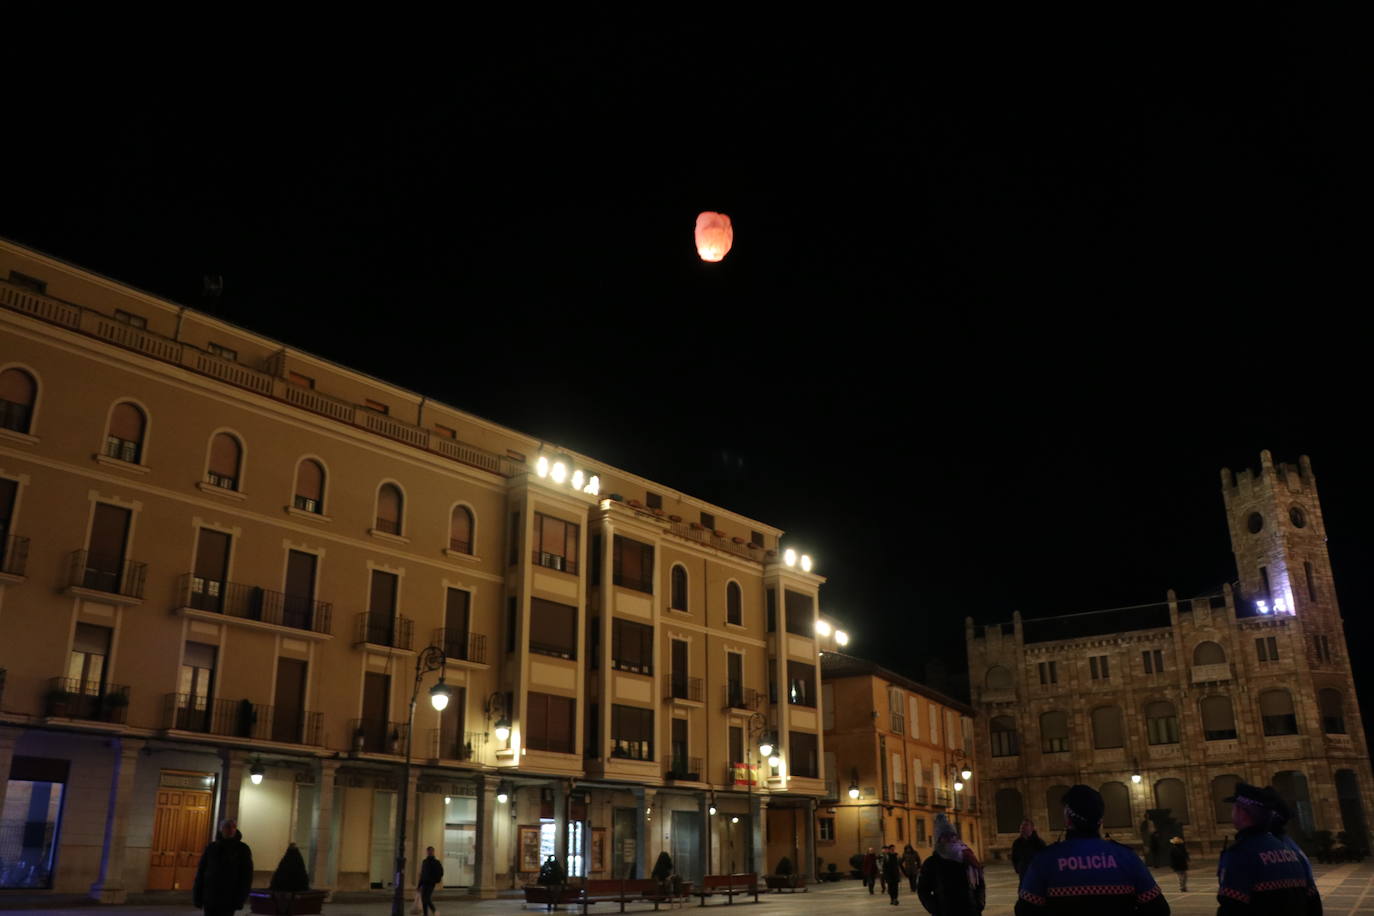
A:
(1260, 873)
(1084, 873)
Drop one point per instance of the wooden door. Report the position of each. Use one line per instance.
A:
(181, 830)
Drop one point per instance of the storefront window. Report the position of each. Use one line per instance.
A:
(28, 833)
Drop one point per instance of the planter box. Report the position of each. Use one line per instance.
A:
(286, 903)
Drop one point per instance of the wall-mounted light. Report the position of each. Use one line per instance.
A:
(447, 800)
(822, 628)
(734, 820)
(1135, 778)
(958, 786)
(440, 694)
(775, 761)
(711, 810)
(841, 638)
(502, 730)
(789, 556)
(805, 563)
(854, 791)
(255, 772)
(502, 794)
(766, 748)
(966, 773)
(560, 471)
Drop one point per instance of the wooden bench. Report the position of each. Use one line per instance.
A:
(729, 885)
(544, 894)
(629, 890)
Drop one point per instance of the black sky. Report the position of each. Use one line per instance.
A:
(993, 321)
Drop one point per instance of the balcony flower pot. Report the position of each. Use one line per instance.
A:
(58, 702)
(675, 519)
(114, 707)
(636, 503)
(698, 526)
(737, 540)
(718, 533)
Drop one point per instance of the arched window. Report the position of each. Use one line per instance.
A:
(1161, 722)
(1054, 806)
(1002, 731)
(460, 530)
(1209, 653)
(1116, 800)
(679, 589)
(1170, 793)
(125, 438)
(309, 496)
(734, 604)
(1010, 810)
(1333, 711)
(999, 678)
(1292, 788)
(225, 457)
(1223, 787)
(1352, 809)
(18, 391)
(1107, 728)
(389, 508)
(1218, 718)
(1054, 732)
(1276, 711)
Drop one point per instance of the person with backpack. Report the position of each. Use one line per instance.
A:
(951, 881)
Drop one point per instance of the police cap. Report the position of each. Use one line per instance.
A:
(1085, 804)
(1256, 797)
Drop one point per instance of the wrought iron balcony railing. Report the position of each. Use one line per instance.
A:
(101, 573)
(250, 602)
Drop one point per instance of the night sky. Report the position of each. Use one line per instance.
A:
(992, 323)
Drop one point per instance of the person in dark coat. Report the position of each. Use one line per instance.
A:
(1024, 847)
(291, 876)
(225, 874)
(870, 869)
(951, 881)
(1178, 861)
(892, 872)
(1260, 874)
(431, 873)
(911, 865)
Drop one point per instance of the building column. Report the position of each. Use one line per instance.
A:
(109, 883)
(758, 852)
(415, 853)
(484, 874)
(645, 853)
(707, 840)
(809, 844)
(322, 825)
(560, 823)
(232, 767)
(9, 737)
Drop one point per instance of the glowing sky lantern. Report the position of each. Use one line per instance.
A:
(714, 235)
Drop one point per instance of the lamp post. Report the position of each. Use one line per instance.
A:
(757, 725)
(959, 774)
(432, 658)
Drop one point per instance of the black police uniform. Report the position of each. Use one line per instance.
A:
(1085, 874)
(1260, 874)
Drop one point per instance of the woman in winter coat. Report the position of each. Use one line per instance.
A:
(911, 865)
(870, 870)
(892, 873)
(1178, 861)
(951, 882)
(225, 874)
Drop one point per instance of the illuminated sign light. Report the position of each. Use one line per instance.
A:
(792, 558)
(557, 471)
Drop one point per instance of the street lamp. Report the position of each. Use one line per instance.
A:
(756, 727)
(431, 659)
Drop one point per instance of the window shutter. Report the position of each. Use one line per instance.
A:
(310, 480)
(126, 422)
(17, 387)
(389, 505)
(224, 456)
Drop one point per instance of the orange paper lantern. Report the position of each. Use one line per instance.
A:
(714, 235)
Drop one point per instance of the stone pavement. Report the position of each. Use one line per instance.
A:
(1346, 890)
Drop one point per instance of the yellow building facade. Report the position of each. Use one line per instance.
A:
(897, 750)
(222, 558)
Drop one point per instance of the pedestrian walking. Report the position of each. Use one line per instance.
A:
(892, 872)
(1025, 846)
(1178, 861)
(911, 865)
(1087, 873)
(870, 870)
(431, 873)
(951, 881)
(225, 873)
(1260, 874)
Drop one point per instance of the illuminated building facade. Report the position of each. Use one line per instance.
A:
(1164, 707)
(222, 556)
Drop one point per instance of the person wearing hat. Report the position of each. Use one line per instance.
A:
(1083, 873)
(1178, 861)
(1259, 873)
(951, 880)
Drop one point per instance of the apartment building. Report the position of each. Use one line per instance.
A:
(1164, 707)
(221, 559)
(897, 753)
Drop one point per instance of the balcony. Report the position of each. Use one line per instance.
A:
(452, 745)
(226, 718)
(631, 749)
(1203, 674)
(641, 583)
(554, 561)
(462, 645)
(14, 556)
(971, 804)
(71, 698)
(898, 725)
(920, 795)
(747, 699)
(249, 602)
(684, 688)
(684, 769)
(377, 736)
(383, 631)
(700, 535)
(105, 576)
(899, 793)
(941, 798)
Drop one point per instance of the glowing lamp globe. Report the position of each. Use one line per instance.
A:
(714, 236)
(854, 792)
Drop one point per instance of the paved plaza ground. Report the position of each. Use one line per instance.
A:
(1346, 889)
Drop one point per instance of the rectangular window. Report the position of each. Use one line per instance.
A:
(549, 722)
(756, 538)
(445, 432)
(801, 684)
(457, 614)
(920, 830)
(826, 828)
(1267, 647)
(208, 585)
(129, 318)
(381, 608)
(771, 600)
(653, 500)
(736, 745)
(805, 760)
(223, 352)
(553, 628)
(86, 665)
(633, 565)
(30, 821)
(1097, 667)
(800, 611)
(194, 685)
(1049, 673)
(32, 284)
(933, 717)
(555, 543)
(708, 521)
(288, 714)
(632, 646)
(895, 708)
(632, 732)
(105, 557)
(681, 762)
(772, 680)
(296, 378)
(1311, 582)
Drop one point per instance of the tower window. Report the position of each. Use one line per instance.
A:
(1297, 517)
(1154, 661)
(1311, 581)
(1255, 522)
(1097, 667)
(1267, 648)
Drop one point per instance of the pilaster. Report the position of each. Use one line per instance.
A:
(109, 883)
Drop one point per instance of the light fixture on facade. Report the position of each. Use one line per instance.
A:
(502, 794)
(775, 761)
(966, 773)
(711, 810)
(734, 820)
(854, 790)
(1135, 778)
(789, 556)
(502, 730)
(841, 638)
(440, 694)
(447, 800)
(958, 786)
(255, 772)
(766, 748)
(822, 628)
(806, 562)
(560, 471)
